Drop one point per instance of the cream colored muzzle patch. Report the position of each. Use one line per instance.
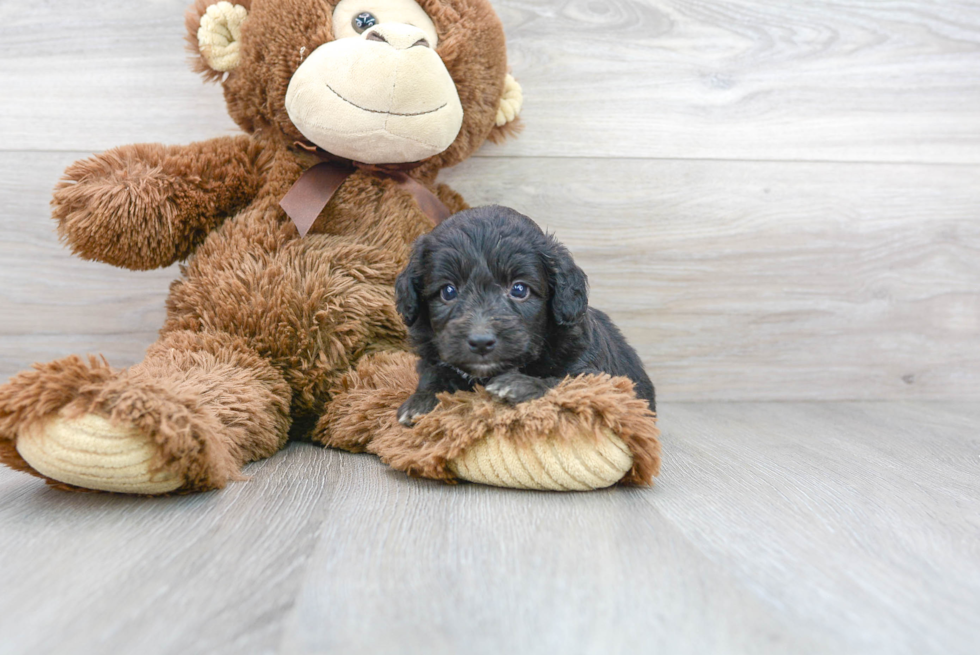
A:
(387, 101)
(91, 452)
(552, 464)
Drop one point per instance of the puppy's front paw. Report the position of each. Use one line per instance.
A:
(418, 405)
(517, 388)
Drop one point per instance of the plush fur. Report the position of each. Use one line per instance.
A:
(266, 332)
(491, 299)
(362, 417)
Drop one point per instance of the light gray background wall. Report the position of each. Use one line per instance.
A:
(774, 200)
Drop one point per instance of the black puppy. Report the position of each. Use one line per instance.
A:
(491, 299)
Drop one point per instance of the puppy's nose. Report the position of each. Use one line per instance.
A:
(482, 343)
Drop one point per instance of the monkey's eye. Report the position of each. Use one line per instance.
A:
(364, 21)
(448, 293)
(519, 290)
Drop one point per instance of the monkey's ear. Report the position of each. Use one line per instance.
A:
(408, 284)
(569, 297)
(508, 111)
(214, 33)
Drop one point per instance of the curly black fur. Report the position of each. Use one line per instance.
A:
(461, 297)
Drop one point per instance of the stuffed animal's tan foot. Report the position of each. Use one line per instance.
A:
(90, 452)
(578, 462)
(186, 418)
(589, 432)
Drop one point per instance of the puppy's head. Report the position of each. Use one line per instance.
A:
(484, 289)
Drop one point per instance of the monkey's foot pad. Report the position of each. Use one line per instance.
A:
(91, 452)
(578, 463)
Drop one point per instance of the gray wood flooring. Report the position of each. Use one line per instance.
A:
(775, 528)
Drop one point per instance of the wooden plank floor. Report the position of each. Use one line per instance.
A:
(775, 528)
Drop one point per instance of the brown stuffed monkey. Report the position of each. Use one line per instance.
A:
(283, 323)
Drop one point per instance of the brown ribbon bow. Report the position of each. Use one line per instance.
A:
(314, 189)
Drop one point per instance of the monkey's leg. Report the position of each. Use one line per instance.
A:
(186, 418)
(589, 432)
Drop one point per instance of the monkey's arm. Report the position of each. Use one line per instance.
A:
(146, 206)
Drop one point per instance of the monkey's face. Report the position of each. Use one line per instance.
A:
(378, 93)
(376, 81)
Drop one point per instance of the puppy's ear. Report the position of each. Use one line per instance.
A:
(409, 284)
(569, 285)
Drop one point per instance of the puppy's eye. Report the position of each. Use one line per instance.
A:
(519, 290)
(364, 21)
(448, 293)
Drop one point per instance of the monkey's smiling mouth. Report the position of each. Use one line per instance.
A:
(386, 113)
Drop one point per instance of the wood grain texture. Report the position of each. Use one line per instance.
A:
(744, 79)
(92, 75)
(209, 573)
(53, 304)
(775, 528)
(733, 79)
(844, 516)
(419, 568)
(734, 280)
